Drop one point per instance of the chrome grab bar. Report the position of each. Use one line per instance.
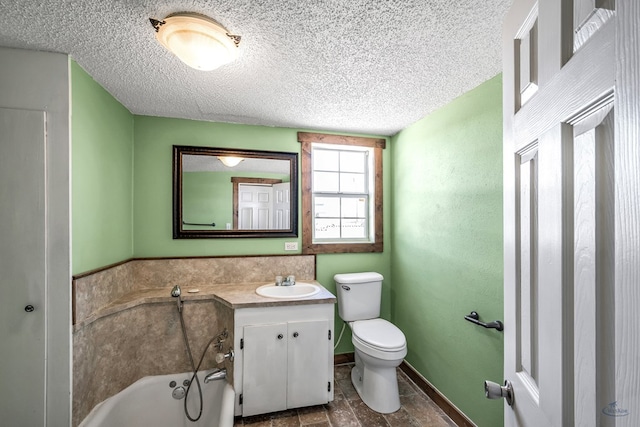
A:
(474, 317)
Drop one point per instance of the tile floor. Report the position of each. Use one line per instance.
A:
(347, 410)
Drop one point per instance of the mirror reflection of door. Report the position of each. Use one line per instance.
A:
(281, 206)
(260, 204)
(254, 207)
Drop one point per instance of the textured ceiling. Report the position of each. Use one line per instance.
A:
(360, 66)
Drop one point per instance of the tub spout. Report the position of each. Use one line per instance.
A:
(216, 374)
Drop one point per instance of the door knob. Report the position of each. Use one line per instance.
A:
(496, 391)
(29, 308)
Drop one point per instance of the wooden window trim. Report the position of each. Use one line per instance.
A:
(308, 247)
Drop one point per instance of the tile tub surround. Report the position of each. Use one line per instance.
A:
(95, 292)
(221, 270)
(126, 324)
(114, 351)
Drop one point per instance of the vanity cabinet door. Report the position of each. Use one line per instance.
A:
(264, 381)
(308, 355)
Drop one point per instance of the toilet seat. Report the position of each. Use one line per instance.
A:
(378, 334)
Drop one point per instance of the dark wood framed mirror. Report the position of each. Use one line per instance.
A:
(222, 193)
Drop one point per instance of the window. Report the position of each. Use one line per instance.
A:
(341, 193)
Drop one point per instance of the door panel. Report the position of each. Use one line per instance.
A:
(588, 17)
(22, 263)
(593, 267)
(254, 207)
(281, 206)
(528, 285)
(564, 177)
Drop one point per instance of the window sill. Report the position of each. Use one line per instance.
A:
(342, 248)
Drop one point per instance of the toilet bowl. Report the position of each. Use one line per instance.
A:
(379, 345)
(374, 374)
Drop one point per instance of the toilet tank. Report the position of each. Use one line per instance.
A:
(359, 295)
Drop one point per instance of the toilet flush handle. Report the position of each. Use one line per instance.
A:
(345, 287)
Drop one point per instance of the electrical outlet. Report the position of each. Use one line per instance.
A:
(290, 246)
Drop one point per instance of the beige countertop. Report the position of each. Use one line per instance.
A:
(233, 295)
(244, 296)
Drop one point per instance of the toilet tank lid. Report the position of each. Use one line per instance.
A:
(348, 278)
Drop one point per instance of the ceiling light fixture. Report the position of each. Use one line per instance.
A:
(230, 161)
(197, 40)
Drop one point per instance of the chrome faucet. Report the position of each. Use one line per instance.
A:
(216, 374)
(289, 281)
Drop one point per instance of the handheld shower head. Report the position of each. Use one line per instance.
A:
(175, 292)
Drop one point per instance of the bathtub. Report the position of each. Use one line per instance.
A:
(149, 402)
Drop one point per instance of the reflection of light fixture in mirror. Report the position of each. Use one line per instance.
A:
(230, 161)
(197, 40)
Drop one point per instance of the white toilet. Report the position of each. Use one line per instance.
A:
(379, 345)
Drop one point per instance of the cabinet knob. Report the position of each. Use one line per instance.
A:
(295, 335)
(280, 336)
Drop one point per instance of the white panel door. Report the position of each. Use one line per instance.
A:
(255, 204)
(264, 379)
(22, 267)
(281, 206)
(308, 381)
(572, 212)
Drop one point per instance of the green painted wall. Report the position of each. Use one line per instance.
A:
(205, 199)
(154, 138)
(446, 235)
(102, 175)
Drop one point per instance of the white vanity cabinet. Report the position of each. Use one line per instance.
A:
(284, 357)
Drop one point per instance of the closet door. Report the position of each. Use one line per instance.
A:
(22, 267)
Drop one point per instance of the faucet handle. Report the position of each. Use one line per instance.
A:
(221, 356)
(291, 279)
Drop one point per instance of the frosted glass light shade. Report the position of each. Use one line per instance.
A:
(230, 161)
(197, 40)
